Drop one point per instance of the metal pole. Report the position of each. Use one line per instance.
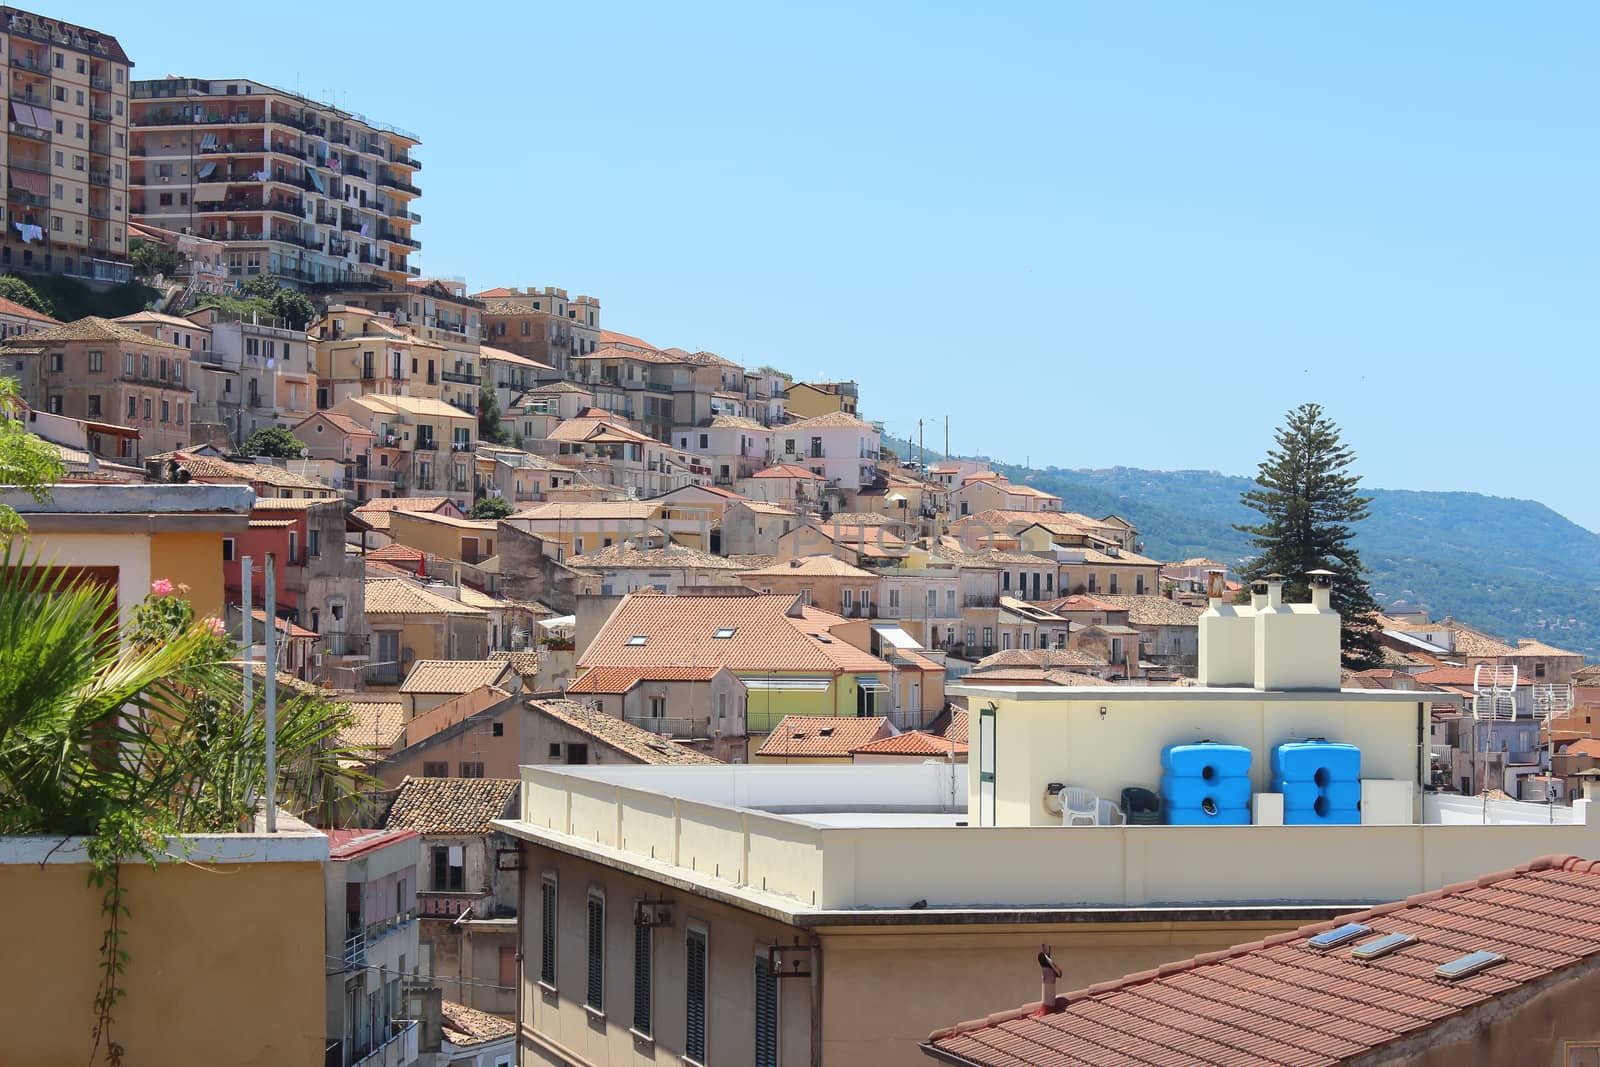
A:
(248, 578)
(272, 697)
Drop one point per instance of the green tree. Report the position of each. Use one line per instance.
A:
(489, 428)
(273, 441)
(1309, 506)
(15, 289)
(294, 307)
(26, 461)
(492, 507)
(149, 258)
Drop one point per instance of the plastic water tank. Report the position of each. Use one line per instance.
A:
(1320, 782)
(1206, 784)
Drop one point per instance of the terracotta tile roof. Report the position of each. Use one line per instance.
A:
(558, 387)
(612, 337)
(956, 729)
(639, 745)
(590, 509)
(500, 355)
(861, 518)
(454, 675)
(1082, 602)
(465, 1027)
(832, 420)
(1281, 1001)
(618, 680)
(18, 311)
(1458, 676)
(911, 743)
(387, 570)
(1529, 647)
(737, 422)
(787, 470)
(771, 633)
(823, 735)
(341, 422)
(1150, 610)
(397, 596)
(1074, 678)
(451, 805)
(705, 359)
(815, 567)
(613, 352)
(395, 553)
(672, 555)
(763, 507)
(1589, 675)
(94, 328)
(525, 664)
(1474, 645)
(1586, 747)
(376, 723)
(1040, 659)
(405, 503)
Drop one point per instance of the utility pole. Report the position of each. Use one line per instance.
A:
(271, 687)
(922, 450)
(947, 438)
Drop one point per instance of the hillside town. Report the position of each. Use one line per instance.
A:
(692, 715)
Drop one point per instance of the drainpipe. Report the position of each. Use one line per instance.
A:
(816, 1003)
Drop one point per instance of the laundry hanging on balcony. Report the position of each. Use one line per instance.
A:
(207, 170)
(316, 181)
(208, 141)
(30, 232)
(261, 175)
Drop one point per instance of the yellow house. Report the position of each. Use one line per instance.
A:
(195, 982)
(444, 536)
(807, 400)
(411, 622)
(129, 536)
(578, 527)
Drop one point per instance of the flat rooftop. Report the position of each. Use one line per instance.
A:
(861, 843)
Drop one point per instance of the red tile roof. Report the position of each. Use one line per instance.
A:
(771, 633)
(348, 844)
(622, 679)
(822, 735)
(957, 728)
(612, 337)
(911, 743)
(16, 310)
(1458, 676)
(1281, 1001)
(787, 470)
(1586, 747)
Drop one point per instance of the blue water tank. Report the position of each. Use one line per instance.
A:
(1206, 759)
(1206, 784)
(1320, 782)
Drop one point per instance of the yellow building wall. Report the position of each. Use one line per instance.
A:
(764, 709)
(436, 538)
(195, 560)
(225, 964)
(807, 403)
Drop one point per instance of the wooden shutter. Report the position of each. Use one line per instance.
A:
(694, 1043)
(547, 934)
(642, 936)
(766, 1015)
(597, 937)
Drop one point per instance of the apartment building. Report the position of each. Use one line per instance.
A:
(435, 314)
(808, 400)
(838, 446)
(300, 191)
(102, 371)
(66, 148)
(542, 324)
(427, 444)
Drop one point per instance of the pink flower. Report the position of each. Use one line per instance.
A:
(215, 626)
(161, 587)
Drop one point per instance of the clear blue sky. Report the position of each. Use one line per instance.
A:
(1090, 234)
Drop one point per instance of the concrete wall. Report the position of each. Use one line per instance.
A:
(208, 945)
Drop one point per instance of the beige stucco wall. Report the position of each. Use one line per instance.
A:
(223, 961)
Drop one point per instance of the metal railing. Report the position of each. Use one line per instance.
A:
(450, 904)
(671, 726)
(461, 377)
(980, 600)
(355, 949)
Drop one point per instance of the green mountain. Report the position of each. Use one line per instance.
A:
(1512, 567)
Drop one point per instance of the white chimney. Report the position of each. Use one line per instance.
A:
(1227, 639)
(1297, 645)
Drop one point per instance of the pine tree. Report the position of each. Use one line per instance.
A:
(1310, 506)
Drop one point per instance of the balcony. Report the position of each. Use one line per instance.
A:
(461, 446)
(37, 166)
(452, 905)
(101, 85)
(406, 161)
(860, 611)
(980, 600)
(33, 133)
(427, 444)
(470, 407)
(99, 177)
(669, 726)
(389, 181)
(342, 643)
(461, 377)
(355, 950)
(97, 114)
(397, 1047)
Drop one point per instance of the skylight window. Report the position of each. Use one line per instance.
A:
(638, 640)
(1465, 966)
(1339, 935)
(726, 632)
(1381, 947)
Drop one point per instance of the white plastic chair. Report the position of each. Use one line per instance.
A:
(1109, 814)
(1079, 807)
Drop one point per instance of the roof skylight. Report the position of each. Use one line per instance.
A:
(1468, 965)
(1381, 947)
(638, 640)
(1339, 935)
(726, 632)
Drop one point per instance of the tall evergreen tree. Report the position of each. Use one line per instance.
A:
(1309, 507)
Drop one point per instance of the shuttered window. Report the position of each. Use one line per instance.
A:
(766, 1015)
(547, 932)
(642, 937)
(594, 997)
(694, 1042)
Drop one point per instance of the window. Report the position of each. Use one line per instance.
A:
(94, 405)
(97, 362)
(497, 729)
(694, 1041)
(555, 750)
(472, 769)
(547, 930)
(227, 550)
(766, 1014)
(449, 869)
(642, 943)
(1138, 584)
(56, 362)
(435, 769)
(166, 416)
(1005, 639)
(638, 640)
(725, 632)
(704, 441)
(594, 994)
(148, 409)
(133, 406)
(53, 405)
(1005, 581)
(1113, 581)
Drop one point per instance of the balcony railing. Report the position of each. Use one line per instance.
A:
(980, 600)
(449, 904)
(342, 643)
(384, 674)
(427, 444)
(355, 950)
(461, 377)
(391, 182)
(21, 129)
(671, 726)
(398, 1047)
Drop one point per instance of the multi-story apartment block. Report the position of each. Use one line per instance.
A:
(840, 447)
(102, 371)
(66, 148)
(300, 191)
(542, 324)
(427, 443)
(436, 313)
(258, 373)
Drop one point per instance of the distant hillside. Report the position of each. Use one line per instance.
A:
(1512, 567)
